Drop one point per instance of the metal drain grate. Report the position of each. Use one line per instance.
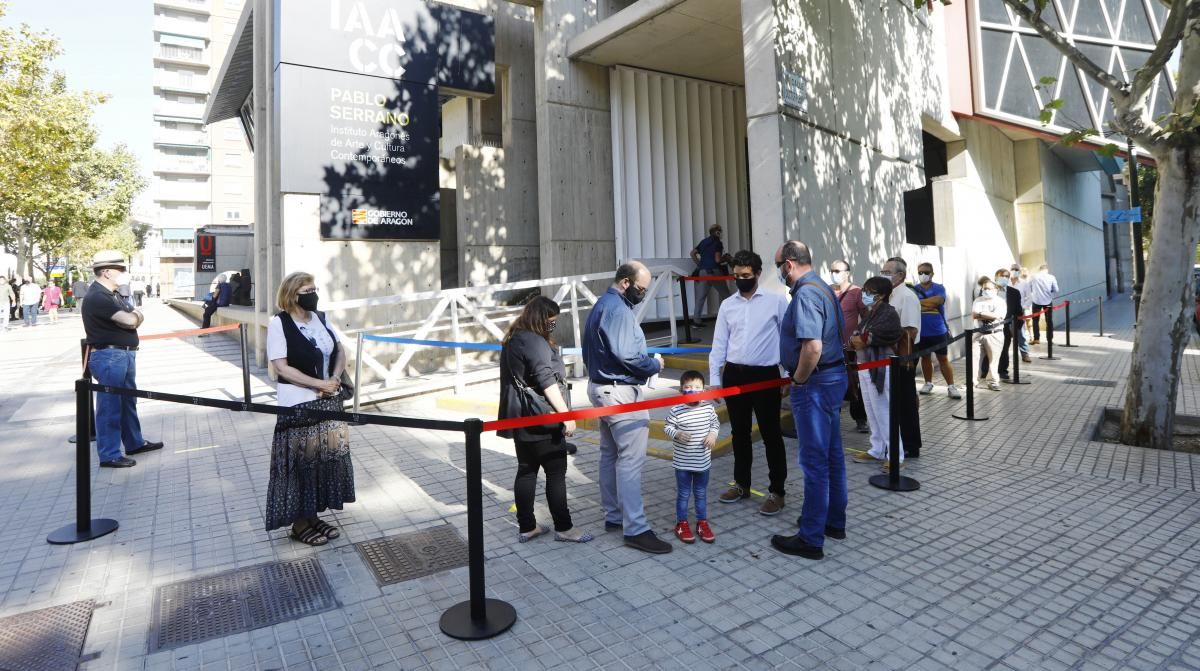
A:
(412, 555)
(229, 603)
(1090, 382)
(50, 639)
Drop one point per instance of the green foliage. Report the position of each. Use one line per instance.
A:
(56, 183)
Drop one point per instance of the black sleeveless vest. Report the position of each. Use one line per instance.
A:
(304, 355)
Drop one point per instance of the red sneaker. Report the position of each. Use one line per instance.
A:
(705, 533)
(684, 532)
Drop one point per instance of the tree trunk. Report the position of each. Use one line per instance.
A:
(1150, 398)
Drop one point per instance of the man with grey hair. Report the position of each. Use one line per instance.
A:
(909, 307)
(1043, 289)
(614, 351)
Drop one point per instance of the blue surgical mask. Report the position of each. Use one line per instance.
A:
(868, 299)
(689, 392)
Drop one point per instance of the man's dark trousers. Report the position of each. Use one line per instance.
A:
(210, 308)
(908, 411)
(1037, 329)
(743, 409)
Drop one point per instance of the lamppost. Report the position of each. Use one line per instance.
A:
(1135, 200)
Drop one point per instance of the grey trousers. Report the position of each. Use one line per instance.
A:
(622, 455)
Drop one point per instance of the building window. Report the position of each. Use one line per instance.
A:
(919, 225)
(182, 53)
(233, 215)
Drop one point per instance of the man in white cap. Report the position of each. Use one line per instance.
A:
(111, 327)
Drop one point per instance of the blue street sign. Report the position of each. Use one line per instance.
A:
(1123, 216)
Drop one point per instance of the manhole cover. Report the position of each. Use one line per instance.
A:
(412, 555)
(1089, 382)
(45, 640)
(229, 603)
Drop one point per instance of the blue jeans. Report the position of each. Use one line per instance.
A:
(30, 313)
(816, 407)
(691, 482)
(116, 416)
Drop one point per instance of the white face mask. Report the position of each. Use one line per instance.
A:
(1003, 281)
(925, 278)
(781, 271)
(839, 276)
(989, 293)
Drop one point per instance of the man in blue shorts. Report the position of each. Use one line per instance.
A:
(934, 330)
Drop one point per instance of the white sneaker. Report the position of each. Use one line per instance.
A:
(993, 386)
(953, 392)
(927, 388)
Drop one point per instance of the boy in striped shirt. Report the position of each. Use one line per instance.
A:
(693, 428)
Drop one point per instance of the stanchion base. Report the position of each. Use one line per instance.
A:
(1101, 335)
(1015, 382)
(884, 481)
(1068, 345)
(1050, 358)
(498, 617)
(71, 534)
(976, 418)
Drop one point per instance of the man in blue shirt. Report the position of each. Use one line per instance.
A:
(810, 349)
(707, 256)
(614, 351)
(934, 330)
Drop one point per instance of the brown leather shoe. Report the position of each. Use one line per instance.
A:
(733, 494)
(772, 505)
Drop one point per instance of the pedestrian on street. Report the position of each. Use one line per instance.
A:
(810, 345)
(988, 312)
(876, 338)
(31, 296)
(707, 256)
(1012, 316)
(218, 298)
(614, 351)
(533, 381)
(138, 286)
(311, 470)
(692, 428)
(7, 302)
(908, 306)
(112, 342)
(51, 300)
(1043, 289)
(745, 349)
(850, 297)
(78, 292)
(934, 330)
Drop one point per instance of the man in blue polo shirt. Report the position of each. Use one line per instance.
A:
(934, 330)
(810, 349)
(707, 256)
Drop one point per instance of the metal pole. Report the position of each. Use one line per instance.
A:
(1050, 336)
(479, 617)
(358, 356)
(1067, 309)
(970, 416)
(458, 367)
(576, 327)
(1135, 200)
(245, 363)
(1101, 334)
(671, 316)
(84, 528)
(892, 481)
(1018, 331)
(687, 314)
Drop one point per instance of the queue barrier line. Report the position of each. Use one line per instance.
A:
(493, 347)
(190, 332)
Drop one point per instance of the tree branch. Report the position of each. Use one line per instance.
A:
(1172, 34)
(1098, 74)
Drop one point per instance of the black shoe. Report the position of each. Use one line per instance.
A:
(571, 448)
(914, 454)
(613, 526)
(146, 447)
(123, 462)
(648, 542)
(862, 427)
(1003, 376)
(788, 430)
(830, 532)
(792, 545)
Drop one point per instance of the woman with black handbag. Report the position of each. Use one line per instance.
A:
(311, 470)
(533, 382)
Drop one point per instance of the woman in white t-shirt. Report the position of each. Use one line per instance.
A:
(988, 313)
(310, 459)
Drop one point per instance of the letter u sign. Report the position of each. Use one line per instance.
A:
(206, 244)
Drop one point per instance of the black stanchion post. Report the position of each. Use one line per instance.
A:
(1067, 328)
(1101, 308)
(892, 480)
(687, 315)
(85, 528)
(246, 363)
(972, 380)
(1018, 327)
(479, 617)
(1050, 336)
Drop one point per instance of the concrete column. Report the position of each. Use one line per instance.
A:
(267, 258)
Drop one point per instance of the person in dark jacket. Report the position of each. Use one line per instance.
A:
(533, 382)
(1012, 301)
(876, 338)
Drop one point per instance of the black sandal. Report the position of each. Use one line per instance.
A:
(310, 536)
(326, 529)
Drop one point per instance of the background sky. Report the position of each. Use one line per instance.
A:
(107, 46)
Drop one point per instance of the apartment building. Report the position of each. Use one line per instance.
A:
(202, 176)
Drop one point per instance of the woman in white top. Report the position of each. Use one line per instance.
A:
(988, 312)
(310, 459)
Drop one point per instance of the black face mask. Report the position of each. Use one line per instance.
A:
(307, 301)
(634, 294)
(746, 284)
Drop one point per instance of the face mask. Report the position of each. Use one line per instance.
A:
(307, 301)
(839, 276)
(746, 284)
(634, 295)
(868, 299)
(989, 293)
(781, 272)
(1003, 281)
(925, 278)
(691, 392)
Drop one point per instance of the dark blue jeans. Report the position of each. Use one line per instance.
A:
(816, 407)
(116, 416)
(687, 483)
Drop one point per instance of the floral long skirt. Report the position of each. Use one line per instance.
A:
(310, 467)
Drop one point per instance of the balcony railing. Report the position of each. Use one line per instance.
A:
(189, 137)
(178, 109)
(180, 54)
(185, 250)
(171, 81)
(190, 192)
(179, 26)
(197, 6)
(183, 166)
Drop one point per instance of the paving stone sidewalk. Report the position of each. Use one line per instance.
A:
(1028, 546)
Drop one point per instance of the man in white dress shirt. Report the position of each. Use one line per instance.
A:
(1043, 289)
(745, 349)
(909, 306)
